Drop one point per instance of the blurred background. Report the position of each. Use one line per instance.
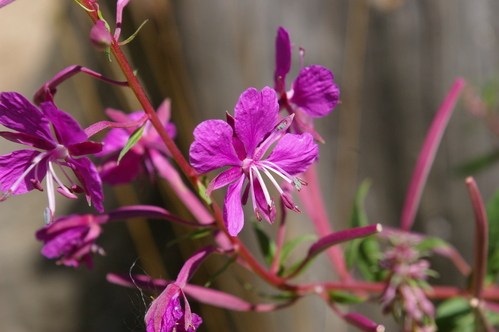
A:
(394, 61)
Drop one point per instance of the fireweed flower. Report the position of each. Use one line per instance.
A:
(404, 293)
(166, 313)
(148, 154)
(23, 170)
(242, 143)
(313, 93)
(72, 239)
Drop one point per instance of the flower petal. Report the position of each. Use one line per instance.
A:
(84, 148)
(127, 170)
(12, 167)
(233, 209)
(224, 178)
(282, 59)
(315, 92)
(18, 114)
(255, 116)
(29, 140)
(294, 153)
(89, 178)
(68, 131)
(212, 147)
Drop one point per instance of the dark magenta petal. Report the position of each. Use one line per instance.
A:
(68, 131)
(233, 210)
(282, 59)
(221, 180)
(84, 148)
(126, 171)
(5, 2)
(88, 176)
(295, 153)
(26, 139)
(14, 164)
(314, 91)
(267, 211)
(255, 116)
(18, 114)
(212, 147)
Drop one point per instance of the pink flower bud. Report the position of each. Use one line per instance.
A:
(100, 37)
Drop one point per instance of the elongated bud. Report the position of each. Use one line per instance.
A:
(100, 37)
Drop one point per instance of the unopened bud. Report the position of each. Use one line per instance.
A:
(100, 37)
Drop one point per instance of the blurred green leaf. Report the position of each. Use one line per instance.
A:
(455, 315)
(478, 164)
(345, 297)
(134, 138)
(220, 271)
(267, 245)
(202, 232)
(493, 251)
(288, 247)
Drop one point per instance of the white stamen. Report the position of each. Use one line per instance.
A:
(264, 187)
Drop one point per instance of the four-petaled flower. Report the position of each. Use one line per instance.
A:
(148, 153)
(23, 170)
(313, 93)
(242, 143)
(72, 239)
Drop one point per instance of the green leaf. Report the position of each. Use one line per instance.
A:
(493, 250)
(455, 315)
(134, 138)
(358, 218)
(431, 243)
(345, 297)
(267, 245)
(202, 191)
(478, 164)
(129, 39)
(288, 247)
(220, 271)
(202, 232)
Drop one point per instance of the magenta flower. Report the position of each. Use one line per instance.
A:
(72, 239)
(23, 170)
(242, 143)
(148, 154)
(313, 93)
(166, 313)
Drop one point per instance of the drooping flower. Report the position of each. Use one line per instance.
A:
(23, 170)
(166, 313)
(313, 93)
(148, 154)
(72, 239)
(242, 143)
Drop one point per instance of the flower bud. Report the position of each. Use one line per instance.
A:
(100, 37)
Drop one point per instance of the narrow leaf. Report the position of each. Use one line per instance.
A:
(129, 39)
(290, 245)
(134, 138)
(267, 246)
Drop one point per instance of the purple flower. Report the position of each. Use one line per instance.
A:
(23, 170)
(242, 143)
(313, 93)
(72, 239)
(167, 315)
(148, 153)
